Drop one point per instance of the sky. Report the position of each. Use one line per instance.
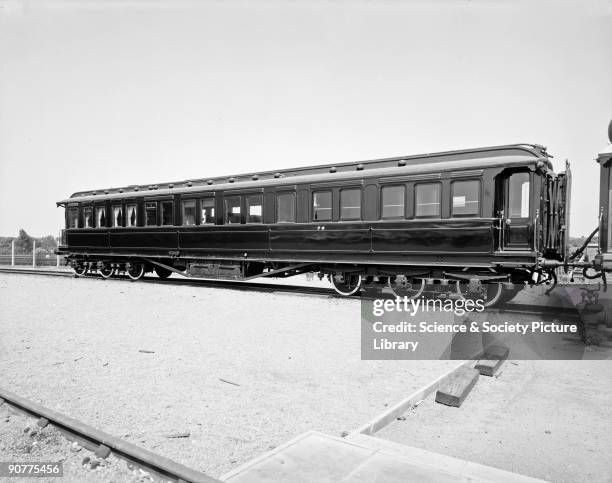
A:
(95, 94)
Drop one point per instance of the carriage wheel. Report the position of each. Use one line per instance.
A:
(106, 271)
(162, 272)
(134, 270)
(402, 287)
(491, 292)
(346, 284)
(79, 268)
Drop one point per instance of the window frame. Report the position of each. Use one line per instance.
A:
(342, 190)
(195, 211)
(294, 204)
(146, 214)
(415, 194)
(225, 207)
(126, 218)
(161, 212)
(114, 220)
(507, 199)
(84, 217)
(69, 218)
(201, 209)
(404, 215)
(96, 218)
(451, 191)
(247, 207)
(331, 205)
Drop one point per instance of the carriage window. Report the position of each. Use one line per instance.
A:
(427, 200)
(350, 204)
(254, 205)
(117, 216)
(100, 216)
(167, 214)
(466, 198)
(393, 202)
(151, 211)
(132, 216)
(322, 206)
(73, 217)
(518, 195)
(208, 211)
(87, 217)
(189, 212)
(285, 208)
(232, 210)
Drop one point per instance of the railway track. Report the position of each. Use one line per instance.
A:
(510, 307)
(103, 444)
(236, 285)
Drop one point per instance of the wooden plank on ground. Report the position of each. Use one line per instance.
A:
(413, 399)
(492, 360)
(454, 391)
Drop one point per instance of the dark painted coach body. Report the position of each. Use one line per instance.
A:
(452, 220)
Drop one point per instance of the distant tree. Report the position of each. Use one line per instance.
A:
(47, 242)
(23, 242)
(5, 244)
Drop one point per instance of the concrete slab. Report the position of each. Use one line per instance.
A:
(318, 457)
(469, 470)
(546, 419)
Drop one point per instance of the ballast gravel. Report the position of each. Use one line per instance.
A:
(208, 377)
(22, 441)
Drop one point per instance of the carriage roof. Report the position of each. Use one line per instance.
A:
(516, 154)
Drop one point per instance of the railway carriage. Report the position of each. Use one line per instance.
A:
(603, 260)
(480, 220)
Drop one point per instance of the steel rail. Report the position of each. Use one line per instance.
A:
(36, 271)
(103, 443)
(233, 284)
(508, 307)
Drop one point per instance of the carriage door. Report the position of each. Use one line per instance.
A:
(517, 221)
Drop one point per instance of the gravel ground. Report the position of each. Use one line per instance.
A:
(545, 419)
(23, 441)
(239, 372)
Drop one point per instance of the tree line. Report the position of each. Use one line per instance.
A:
(24, 244)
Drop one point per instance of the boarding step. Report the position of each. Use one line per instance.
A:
(317, 457)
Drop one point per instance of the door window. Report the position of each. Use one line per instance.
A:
(518, 195)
